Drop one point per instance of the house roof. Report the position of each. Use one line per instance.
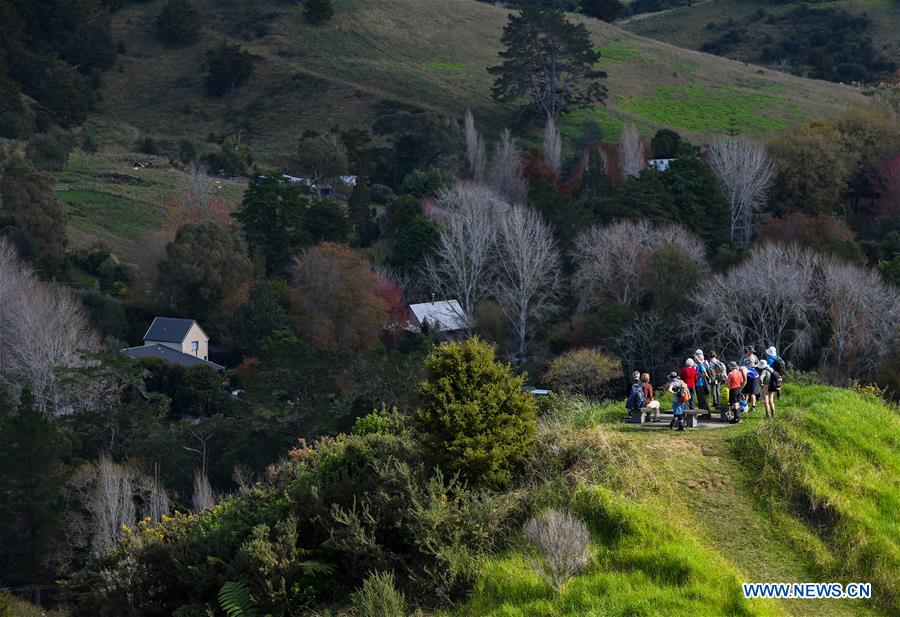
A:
(659, 164)
(445, 315)
(169, 329)
(168, 354)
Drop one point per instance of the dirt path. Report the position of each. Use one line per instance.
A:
(717, 498)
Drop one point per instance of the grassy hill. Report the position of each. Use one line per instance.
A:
(693, 26)
(682, 518)
(376, 55)
(429, 55)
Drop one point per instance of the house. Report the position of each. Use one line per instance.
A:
(179, 341)
(444, 316)
(659, 164)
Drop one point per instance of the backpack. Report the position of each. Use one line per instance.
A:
(775, 381)
(778, 365)
(720, 370)
(635, 397)
(682, 394)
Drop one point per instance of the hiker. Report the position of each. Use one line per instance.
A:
(681, 394)
(736, 381)
(717, 375)
(635, 400)
(649, 401)
(750, 358)
(775, 361)
(688, 374)
(766, 386)
(751, 388)
(701, 388)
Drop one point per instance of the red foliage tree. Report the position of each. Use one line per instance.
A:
(823, 234)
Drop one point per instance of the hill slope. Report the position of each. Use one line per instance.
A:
(429, 55)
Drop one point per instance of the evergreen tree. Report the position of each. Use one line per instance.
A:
(596, 182)
(34, 217)
(543, 47)
(272, 217)
(227, 67)
(32, 474)
(607, 10)
(318, 11)
(361, 212)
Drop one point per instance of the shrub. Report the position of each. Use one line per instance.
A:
(584, 371)
(421, 183)
(227, 67)
(563, 543)
(378, 597)
(178, 23)
(318, 11)
(146, 145)
(47, 153)
(475, 420)
(13, 125)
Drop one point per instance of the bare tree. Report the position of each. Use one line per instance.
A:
(552, 145)
(505, 175)
(528, 273)
(463, 260)
(770, 299)
(611, 260)
(101, 499)
(863, 315)
(203, 498)
(645, 343)
(746, 173)
(631, 151)
(564, 545)
(158, 503)
(474, 148)
(43, 327)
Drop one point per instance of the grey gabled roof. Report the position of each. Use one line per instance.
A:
(443, 315)
(168, 329)
(169, 355)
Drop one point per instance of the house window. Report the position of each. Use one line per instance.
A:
(195, 347)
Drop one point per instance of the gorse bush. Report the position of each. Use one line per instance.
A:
(563, 543)
(589, 372)
(475, 420)
(378, 597)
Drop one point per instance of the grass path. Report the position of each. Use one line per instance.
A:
(717, 502)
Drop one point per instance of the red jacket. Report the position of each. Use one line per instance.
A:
(689, 376)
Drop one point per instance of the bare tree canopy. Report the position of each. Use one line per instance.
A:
(475, 152)
(770, 299)
(101, 499)
(43, 327)
(611, 260)
(528, 279)
(461, 267)
(746, 173)
(863, 316)
(552, 145)
(631, 151)
(505, 175)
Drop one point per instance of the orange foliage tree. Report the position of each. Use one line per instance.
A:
(339, 302)
(823, 234)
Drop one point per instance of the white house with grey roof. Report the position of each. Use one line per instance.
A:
(175, 340)
(444, 316)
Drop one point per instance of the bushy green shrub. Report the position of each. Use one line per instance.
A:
(318, 11)
(584, 371)
(420, 183)
(475, 420)
(378, 597)
(47, 153)
(178, 23)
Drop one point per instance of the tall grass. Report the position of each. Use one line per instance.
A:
(832, 459)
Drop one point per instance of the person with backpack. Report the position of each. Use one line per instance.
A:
(681, 394)
(701, 387)
(750, 358)
(688, 374)
(751, 388)
(635, 400)
(718, 373)
(769, 380)
(775, 361)
(736, 381)
(649, 401)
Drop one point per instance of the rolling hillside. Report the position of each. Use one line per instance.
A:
(430, 55)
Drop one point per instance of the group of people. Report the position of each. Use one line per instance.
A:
(700, 380)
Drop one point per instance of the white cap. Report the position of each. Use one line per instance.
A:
(771, 351)
(689, 362)
(699, 352)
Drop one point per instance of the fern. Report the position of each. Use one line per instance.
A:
(236, 601)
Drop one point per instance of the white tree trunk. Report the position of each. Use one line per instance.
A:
(505, 175)
(631, 152)
(552, 145)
